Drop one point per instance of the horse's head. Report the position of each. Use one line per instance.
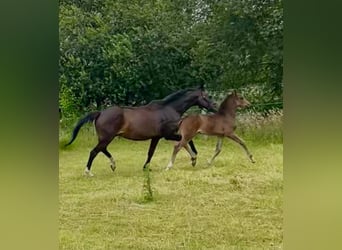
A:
(203, 100)
(239, 100)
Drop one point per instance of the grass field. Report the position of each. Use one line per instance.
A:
(233, 204)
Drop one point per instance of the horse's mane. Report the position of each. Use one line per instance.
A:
(172, 97)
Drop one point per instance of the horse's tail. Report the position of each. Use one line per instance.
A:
(89, 118)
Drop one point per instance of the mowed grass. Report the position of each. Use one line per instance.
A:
(233, 204)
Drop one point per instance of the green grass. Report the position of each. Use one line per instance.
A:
(232, 205)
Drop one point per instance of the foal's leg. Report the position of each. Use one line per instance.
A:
(217, 150)
(176, 149)
(185, 138)
(151, 150)
(173, 137)
(191, 150)
(238, 140)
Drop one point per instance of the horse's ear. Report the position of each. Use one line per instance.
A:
(234, 92)
(201, 87)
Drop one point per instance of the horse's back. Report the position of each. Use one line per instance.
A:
(140, 123)
(110, 114)
(109, 122)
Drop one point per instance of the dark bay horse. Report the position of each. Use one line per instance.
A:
(156, 120)
(220, 124)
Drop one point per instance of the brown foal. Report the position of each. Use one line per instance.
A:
(221, 124)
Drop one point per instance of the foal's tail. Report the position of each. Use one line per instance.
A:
(89, 118)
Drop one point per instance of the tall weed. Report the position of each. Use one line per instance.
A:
(261, 127)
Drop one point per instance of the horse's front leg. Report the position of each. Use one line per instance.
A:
(153, 145)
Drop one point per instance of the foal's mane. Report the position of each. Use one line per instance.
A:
(223, 105)
(172, 97)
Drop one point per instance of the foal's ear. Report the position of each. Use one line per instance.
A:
(234, 92)
(201, 87)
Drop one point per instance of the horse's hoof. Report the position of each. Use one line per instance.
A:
(113, 167)
(88, 173)
(193, 161)
(167, 169)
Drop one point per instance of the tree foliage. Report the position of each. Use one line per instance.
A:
(130, 52)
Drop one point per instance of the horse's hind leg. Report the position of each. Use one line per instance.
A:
(99, 147)
(92, 156)
(112, 162)
(192, 146)
(192, 154)
(217, 150)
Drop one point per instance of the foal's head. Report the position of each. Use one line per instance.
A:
(240, 101)
(232, 102)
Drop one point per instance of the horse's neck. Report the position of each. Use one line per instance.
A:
(181, 107)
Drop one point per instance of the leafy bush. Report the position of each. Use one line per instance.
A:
(131, 52)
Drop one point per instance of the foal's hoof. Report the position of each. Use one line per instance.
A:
(113, 167)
